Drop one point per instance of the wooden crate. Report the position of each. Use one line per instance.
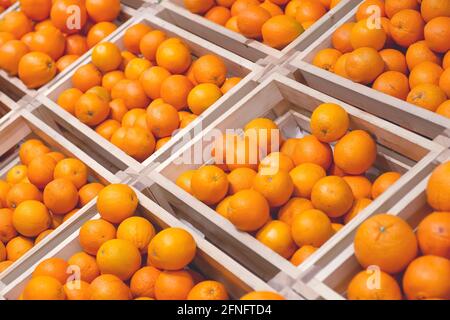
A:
(332, 281)
(7, 107)
(237, 66)
(209, 261)
(291, 104)
(19, 128)
(16, 89)
(175, 12)
(402, 113)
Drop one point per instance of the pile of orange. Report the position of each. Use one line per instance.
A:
(37, 196)
(124, 258)
(420, 260)
(404, 53)
(298, 196)
(44, 38)
(5, 4)
(138, 98)
(276, 22)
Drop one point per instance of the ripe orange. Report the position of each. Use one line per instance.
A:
(8, 36)
(50, 41)
(277, 236)
(210, 69)
(425, 73)
(11, 53)
(248, 210)
(438, 188)
(7, 230)
(293, 207)
(116, 202)
(175, 91)
(363, 286)
(184, 180)
(5, 265)
(341, 38)
(393, 83)
(436, 31)
(383, 182)
(209, 184)
(118, 257)
(444, 109)
(162, 120)
(110, 79)
(42, 235)
(198, 6)
(152, 80)
(136, 142)
(251, 20)
(394, 6)
(72, 169)
(311, 227)
(360, 185)
(363, 35)
(44, 288)
(134, 35)
(94, 233)
(386, 241)
(395, 60)
(208, 290)
(98, 32)
(432, 232)
(21, 192)
(276, 188)
(86, 77)
(309, 10)
(143, 282)
(265, 133)
(275, 162)
(219, 15)
(329, 122)
(407, 27)
(106, 57)
(326, 59)
(60, 196)
(17, 247)
(173, 285)
(91, 109)
(109, 287)
(31, 149)
(52, 267)
(420, 52)
(174, 55)
(17, 23)
(87, 264)
(281, 30)
(444, 82)
(364, 65)
(68, 98)
(229, 84)
(30, 218)
(118, 109)
(17, 174)
(76, 45)
(136, 67)
(427, 96)
(427, 277)
(61, 14)
(138, 231)
(332, 195)
(40, 171)
(304, 177)
(240, 179)
(150, 42)
(77, 290)
(272, 8)
(367, 9)
(89, 192)
(102, 10)
(310, 150)
(358, 206)
(171, 249)
(241, 5)
(202, 97)
(108, 128)
(57, 156)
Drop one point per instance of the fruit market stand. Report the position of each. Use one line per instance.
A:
(117, 114)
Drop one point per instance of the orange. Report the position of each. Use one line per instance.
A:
(431, 9)
(364, 65)
(76, 45)
(109, 287)
(363, 286)
(21, 192)
(50, 41)
(174, 55)
(309, 10)
(198, 6)
(173, 285)
(356, 152)
(110, 79)
(231, 24)
(72, 169)
(43, 24)
(364, 34)
(94, 233)
(86, 77)
(65, 61)
(241, 5)
(262, 295)
(57, 156)
(209, 184)
(130, 118)
(293, 207)
(136, 67)
(106, 57)
(210, 69)
(386, 241)
(118, 257)
(11, 54)
(184, 180)
(425, 73)
(219, 15)
(87, 264)
(136, 230)
(229, 84)
(7, 36)
(17, 247)
(161, 142)
(394, 6)
(277, 188)
(40, 170)
(143, 282)
(393, 83)
(5, 265)
(311, 227)
(31, 149)
(444, 109)
(68, 98)
(118, 109)
(44, 288)
(172, 249)
(98, 32)
(60, 196)
(152, 79)
(383, 182)
(103, 10)
(326, 59)
(266, 133)
(275, 162)
(108, 128)
(101, 92)
(310, 150)
(332, 195)
(341, 38)
(134, 35)
(30, 218)
(126, 58)
(304, 177)
(7, 230)
(18, 173)
(225, 3)
(251, 20)
(360, 185)
(329, 122)
(281, 30)
(202, 96)
(272, 8)
(134, 95)
(432, 234)
(427, 96)
(91, 109)
(248, 210)
(420, 52)
(162, 120)
(240, 153)
(17, 23)
(427, 277)
(291, 8)
(302, 254)
(436, 31)
(407, 27)
(116, 202)
(61, 15)
(277, 236)
(367, 9)
(4, 189)
(444, 82)
(438, 188)
(334, 170)
(77, 290)
(395, 60)
(288, 147)
(136, 142)
(52, 267)
(175, 91)
(89, 192)
(208, 290)
(240, 179)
